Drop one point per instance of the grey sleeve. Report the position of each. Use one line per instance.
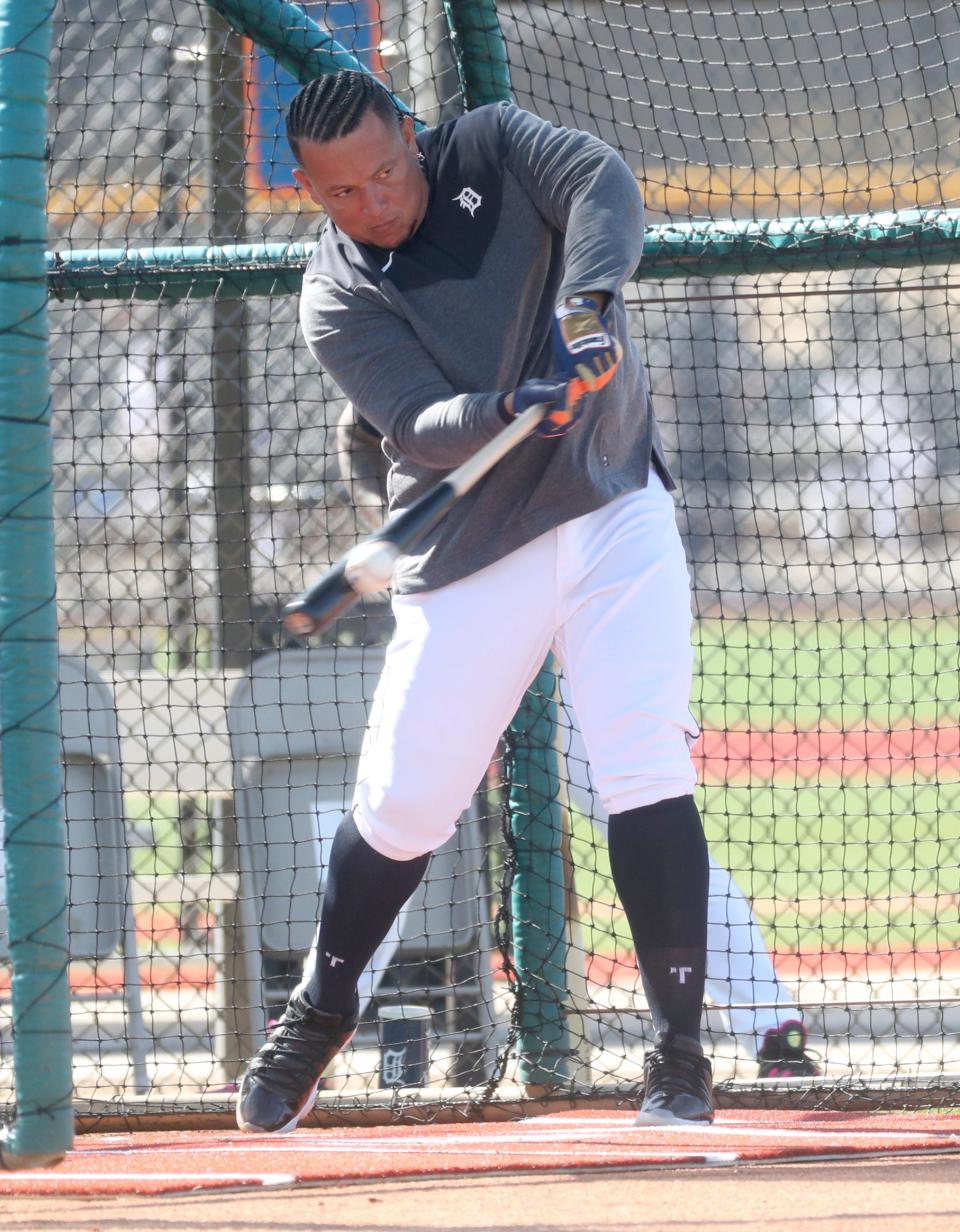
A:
(379, 364)
(580, 186)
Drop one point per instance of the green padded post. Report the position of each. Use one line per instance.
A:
(538, 890)
(480, 51)
(34, 838)
(291, 36)
(538, 893)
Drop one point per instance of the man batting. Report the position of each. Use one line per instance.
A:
(739, 970)
(465, 274)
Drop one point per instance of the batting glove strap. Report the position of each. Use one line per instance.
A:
(564, 411)
(583, 347)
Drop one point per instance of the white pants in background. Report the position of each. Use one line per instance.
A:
(739, 969)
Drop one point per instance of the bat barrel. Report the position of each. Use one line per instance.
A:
(319, 607)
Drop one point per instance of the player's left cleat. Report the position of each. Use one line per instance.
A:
(783, 1053)
(677, 1084)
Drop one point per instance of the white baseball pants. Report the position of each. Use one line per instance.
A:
(609, 594)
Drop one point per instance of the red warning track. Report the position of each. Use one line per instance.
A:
(915, 753)
(197, 1161)
(875, 967)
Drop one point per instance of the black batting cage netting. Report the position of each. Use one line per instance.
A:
(797, 311)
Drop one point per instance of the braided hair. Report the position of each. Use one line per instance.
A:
(333, 105)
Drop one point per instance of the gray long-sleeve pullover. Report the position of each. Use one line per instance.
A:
(423, 340)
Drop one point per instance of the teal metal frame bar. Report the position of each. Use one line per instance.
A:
(898, 240)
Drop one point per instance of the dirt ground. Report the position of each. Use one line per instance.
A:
(904, 1195)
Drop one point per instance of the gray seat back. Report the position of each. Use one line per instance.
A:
(296, 727)
(93, 809)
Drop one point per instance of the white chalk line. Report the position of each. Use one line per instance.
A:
(182, 1178)
(571, 1150)
(326, 1141)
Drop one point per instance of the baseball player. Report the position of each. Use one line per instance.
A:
(465, 274)
(739, 968)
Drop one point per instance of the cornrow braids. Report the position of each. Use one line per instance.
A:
(333, 105)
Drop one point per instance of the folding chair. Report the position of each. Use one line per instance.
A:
(296, 725)
(100, 911)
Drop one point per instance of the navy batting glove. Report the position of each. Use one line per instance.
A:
(583, 347)
(564, 411)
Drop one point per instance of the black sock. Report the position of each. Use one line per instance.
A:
(363, 895)
(659, 861)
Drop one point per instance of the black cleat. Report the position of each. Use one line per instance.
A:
(783, 1053)
(677, 1084)
(281, 1081)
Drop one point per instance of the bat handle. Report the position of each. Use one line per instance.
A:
(468, 473)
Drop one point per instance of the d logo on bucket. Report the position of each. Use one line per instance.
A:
(392, 1066)
(403, 1045)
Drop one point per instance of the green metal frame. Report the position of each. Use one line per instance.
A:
(291, 36)
(480, 51)
(27, 618)
(538, 894)
(898, 240)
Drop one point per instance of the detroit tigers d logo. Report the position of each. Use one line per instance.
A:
(468, 199)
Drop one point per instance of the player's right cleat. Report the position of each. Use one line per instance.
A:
(783, 1053)
(677, 1084)
(281, 1081)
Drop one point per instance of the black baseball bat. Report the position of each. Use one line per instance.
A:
(341, 586)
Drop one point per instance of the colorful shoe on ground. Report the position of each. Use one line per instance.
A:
(281, 1082)
(783, 1053)
(677, 1084)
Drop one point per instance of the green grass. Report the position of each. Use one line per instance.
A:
(603, 923)
(849, 865)
(830, 866)
(827, 867)
(159, 814)
(766, 674)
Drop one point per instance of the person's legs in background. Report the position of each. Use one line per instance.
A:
(741, 974)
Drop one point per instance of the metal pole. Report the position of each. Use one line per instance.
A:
(231, 464)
